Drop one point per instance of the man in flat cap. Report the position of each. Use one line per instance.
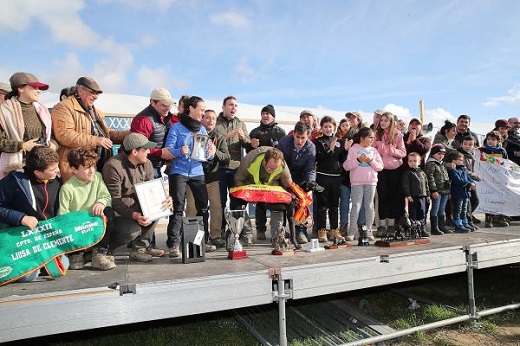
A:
(77, 123)
(4, 90)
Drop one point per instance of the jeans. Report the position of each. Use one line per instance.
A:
(417, 208)
(439, 206)
(460, 206)
(178, 184)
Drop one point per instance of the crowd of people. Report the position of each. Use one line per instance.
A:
(371, 175)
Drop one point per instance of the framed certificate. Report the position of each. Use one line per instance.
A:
(151, 195)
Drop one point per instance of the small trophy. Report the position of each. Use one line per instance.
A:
(235, 220)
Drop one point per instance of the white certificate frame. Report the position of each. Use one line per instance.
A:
(151, 195)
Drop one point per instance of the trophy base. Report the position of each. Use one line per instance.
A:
(337, 246)
(318, 249)
(236, 255)
(283, 252)
(405, 242)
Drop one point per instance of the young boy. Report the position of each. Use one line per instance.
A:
(86, 191)
(416, 192)
(439, 185)
(493, 147)
(461, 184)
(468, 150)
(32, 195)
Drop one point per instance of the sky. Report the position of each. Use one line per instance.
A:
(459, 57)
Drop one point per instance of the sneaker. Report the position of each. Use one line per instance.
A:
(301, 238)
(437, 232)
(218, 242)
(381, 231)
(101, 262)
(155, 252)
(322, 235)
(260, 235)
(140, 255)
(76, 261)
(461, 229)
(425, 234)
(335, 234)
(210, 247)
(174, 251)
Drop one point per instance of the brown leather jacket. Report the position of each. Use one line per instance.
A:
(72, 129)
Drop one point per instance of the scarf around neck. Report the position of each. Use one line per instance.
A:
(190, 123)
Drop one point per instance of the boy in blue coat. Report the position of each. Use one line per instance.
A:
(461, 185)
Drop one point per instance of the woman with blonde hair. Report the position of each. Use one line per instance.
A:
(390, 145)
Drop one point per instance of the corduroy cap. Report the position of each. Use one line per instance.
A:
(136, 140)
(23, 78)
(90, 84)
(5, 87)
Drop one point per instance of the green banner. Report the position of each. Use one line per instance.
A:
(23, 250)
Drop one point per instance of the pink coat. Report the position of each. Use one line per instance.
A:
(362, 173)
(392, 154)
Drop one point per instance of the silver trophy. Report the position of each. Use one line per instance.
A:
(199, 146)
(235, 220)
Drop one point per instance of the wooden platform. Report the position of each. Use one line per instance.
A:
(165, 288)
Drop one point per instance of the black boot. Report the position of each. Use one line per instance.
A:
(442, 225)
(422, 226)
(434, 223)
(489, 221)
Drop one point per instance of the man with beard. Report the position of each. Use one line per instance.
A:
(463, 122)
(512, 143)
(267, 134)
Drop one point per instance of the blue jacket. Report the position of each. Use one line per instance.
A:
(178, 136)
(460, 181)
(16, 200)
(302, 164)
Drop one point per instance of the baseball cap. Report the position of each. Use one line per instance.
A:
(304, 112)
(136, 140)
(162, 95)
(415, 120)
(90, 84)
(23, 78)
(502, 123)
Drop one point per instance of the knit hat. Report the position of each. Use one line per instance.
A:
(90, 84)
(269, 109)
(437, 148)
(136, 140)
(23, 78)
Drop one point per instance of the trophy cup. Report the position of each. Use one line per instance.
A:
(235, 220)
(199, 145)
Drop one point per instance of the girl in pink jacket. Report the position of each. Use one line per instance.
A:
(390, 144)
(363, 162)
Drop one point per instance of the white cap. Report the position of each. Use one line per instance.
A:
(162, 95)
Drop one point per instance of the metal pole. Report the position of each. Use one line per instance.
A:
(281, 313)
(471, 286)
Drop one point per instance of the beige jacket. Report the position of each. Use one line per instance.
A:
(72, 129)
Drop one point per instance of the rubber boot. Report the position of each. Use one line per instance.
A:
(489, 221)
(442, 225)
(434, 223)
(422, 226)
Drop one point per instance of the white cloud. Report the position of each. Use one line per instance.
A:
(245, 71)
(400, 111)
(512, 98)
(230, 18)
(153, 5)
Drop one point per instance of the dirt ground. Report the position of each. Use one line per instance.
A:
(503, 336)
